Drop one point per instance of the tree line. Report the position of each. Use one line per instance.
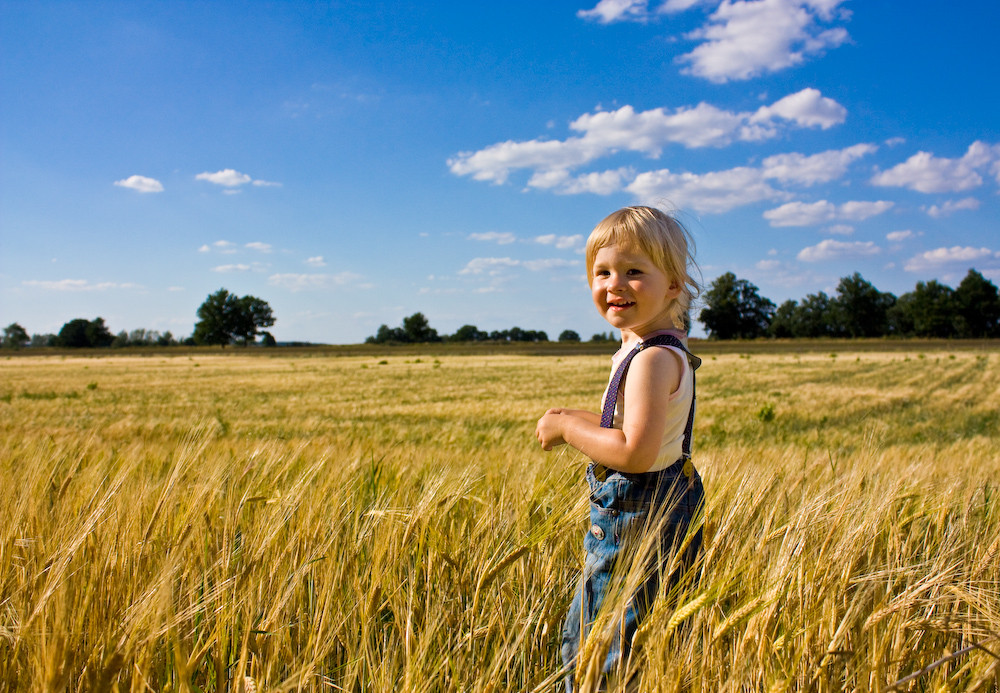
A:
(734, 309)
(416, 329)
(223, 318)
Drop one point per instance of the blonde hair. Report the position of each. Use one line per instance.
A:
(663, 239)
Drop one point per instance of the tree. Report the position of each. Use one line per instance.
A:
(81, 333)
(225, 318)
(735, 309)
(15, 336)
(927, 311)
(812, 317)
(860, 310)
(569, 336)
(415, 330)
(469, 333)
(783, 323)
(418, 330)
(978, 306)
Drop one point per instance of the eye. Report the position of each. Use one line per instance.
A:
(601, 273)
(634, 272)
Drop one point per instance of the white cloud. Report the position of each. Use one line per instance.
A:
(816, 168)
(813, 213)
(312, 282)
(768, 265)
(78, 285)
(266, 184)
(952, 206)
(747, 38)
(608, 11)
(943, 257)
(225, 247)
(831, 249)
(714, 192)
(561, 242)
(499, 237)
(807, 108)
(927, 173)
(489, 265)
(896, 236)
(605, 133)
(539, 265)
(840, 229)
(226, 177)
(261, 247)
(861, 210)
(140, 184)
(494, 266)
(597, 183)
(227, 269)
(316, 261)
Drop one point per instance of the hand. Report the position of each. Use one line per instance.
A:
(549, 431)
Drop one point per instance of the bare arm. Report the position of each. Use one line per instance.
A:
(653, 375)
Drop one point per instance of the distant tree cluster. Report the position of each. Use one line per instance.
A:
(224, 318)
(736, 310)
(142, 337)
(416, 330)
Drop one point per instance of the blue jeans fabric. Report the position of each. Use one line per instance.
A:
(623, 507)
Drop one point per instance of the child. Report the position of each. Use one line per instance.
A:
(641, 474)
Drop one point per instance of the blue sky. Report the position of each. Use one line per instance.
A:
(355, 162)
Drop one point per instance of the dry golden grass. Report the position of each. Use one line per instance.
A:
(218, 523)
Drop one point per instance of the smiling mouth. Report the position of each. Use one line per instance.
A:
(621, 305)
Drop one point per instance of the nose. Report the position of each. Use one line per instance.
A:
(616, 281)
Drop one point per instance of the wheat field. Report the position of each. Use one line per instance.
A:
(209, 522)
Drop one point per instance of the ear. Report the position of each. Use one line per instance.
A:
(674, 289)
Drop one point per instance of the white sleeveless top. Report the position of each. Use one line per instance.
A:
(678, 407)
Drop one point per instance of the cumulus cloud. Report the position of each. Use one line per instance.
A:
(488, 265)
(316, 261)
(313, 282)
(822, 211)
(816, 168)
(224, 247)
(945, 257)
(831, 249)
(746, 38)
(597, 183)
(604, 133)
(494, 266)
(608, 11)
(896, 236)
(927, 173)
(258, 246)
(140, 184)
(715, 192)
(227, 269)
(951, 206)
(232, 179)
(77, 285)
(807, 108)
(561, 242)
(499, 237)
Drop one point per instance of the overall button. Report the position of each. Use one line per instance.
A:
(597, 532)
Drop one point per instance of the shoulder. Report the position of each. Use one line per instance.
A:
(661, 366)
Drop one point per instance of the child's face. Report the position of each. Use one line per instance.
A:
(631, 292)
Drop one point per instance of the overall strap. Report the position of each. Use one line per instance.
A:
(608, 414)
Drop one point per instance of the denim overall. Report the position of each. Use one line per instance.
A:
(622, 507)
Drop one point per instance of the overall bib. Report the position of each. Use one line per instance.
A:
(624, 508)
